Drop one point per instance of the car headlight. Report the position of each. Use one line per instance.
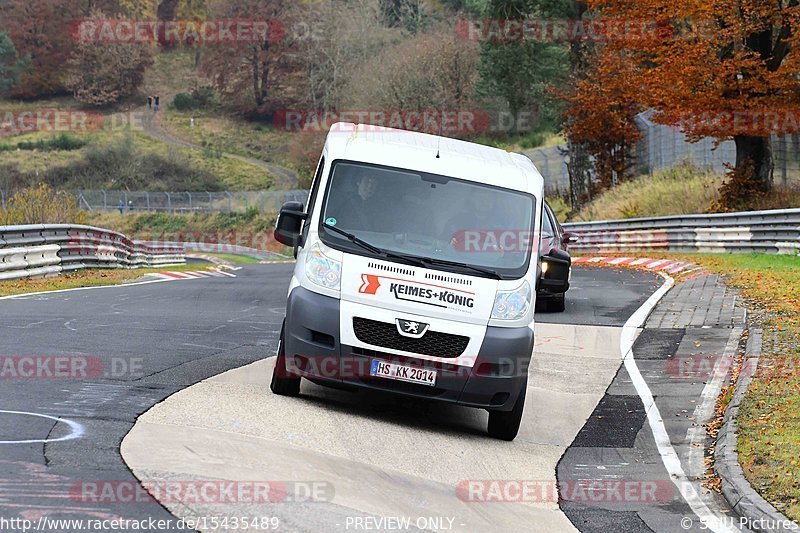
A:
(322, 270)
(512, 305)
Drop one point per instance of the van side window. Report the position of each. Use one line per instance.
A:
(313, 196)
(547, 223)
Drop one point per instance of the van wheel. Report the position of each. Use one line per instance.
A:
(504, 425)
(283, 384)
(558, 304)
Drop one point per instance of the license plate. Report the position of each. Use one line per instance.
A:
(423, 376)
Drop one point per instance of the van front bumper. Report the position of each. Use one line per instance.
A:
(313, 351)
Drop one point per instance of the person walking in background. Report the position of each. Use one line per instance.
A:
(149, 102)
(121, 207)
(157, 103)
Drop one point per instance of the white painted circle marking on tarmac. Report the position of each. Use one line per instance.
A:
(76, 433)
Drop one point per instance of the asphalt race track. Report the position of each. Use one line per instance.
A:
(145, 343)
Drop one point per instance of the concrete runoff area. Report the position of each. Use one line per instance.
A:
(382, 455)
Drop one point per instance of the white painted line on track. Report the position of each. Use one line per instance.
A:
(669, 456)
(619, 260)
(657, 263)
(76, 432)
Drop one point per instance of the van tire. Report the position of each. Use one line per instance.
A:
(557, 304)
(504, 425)
(282, 384)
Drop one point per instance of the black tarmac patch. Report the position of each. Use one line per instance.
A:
(615, 422)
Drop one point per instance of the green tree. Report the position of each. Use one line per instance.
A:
(522, 72)
(11, 65)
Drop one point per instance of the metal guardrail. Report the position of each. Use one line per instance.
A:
(46, 250)
(776, 231)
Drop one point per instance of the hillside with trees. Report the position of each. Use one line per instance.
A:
(225, 101)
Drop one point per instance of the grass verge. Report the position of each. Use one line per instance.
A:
(680, 190)
(217, 131)
(81, 279)
(675, 191)
(122, 159)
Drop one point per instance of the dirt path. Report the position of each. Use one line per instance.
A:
(284, 178)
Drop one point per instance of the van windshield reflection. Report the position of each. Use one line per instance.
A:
(429, 216)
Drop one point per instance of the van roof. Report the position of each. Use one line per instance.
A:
(417, 151)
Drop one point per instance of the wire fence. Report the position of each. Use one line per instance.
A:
(552, 164)
(663, 147)
(187, 202)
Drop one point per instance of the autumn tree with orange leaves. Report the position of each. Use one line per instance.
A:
(726, 69)
(602, 106)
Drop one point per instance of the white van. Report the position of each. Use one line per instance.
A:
(417, 270)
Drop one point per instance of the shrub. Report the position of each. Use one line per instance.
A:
(560, 208)
(199, 98)
(123, 165)
(42, 205)
(183, 102)
(62, 142)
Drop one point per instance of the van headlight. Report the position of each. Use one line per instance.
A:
(512, 305)
(322, 270)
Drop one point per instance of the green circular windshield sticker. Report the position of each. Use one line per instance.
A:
(331, 221)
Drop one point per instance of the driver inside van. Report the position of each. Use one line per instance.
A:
(355, 208)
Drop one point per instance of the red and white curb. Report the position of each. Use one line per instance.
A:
(665, 265)
(216, 272)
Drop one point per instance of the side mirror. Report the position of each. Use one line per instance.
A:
(555, 271)
(290, 222)
(569, 238)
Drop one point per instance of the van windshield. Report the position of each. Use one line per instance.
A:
(426, 215)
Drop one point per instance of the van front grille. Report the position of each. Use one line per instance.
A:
(433, 343)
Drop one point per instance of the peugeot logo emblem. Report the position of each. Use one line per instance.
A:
(411, 328)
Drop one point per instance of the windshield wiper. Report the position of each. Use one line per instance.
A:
(374, 249)
(355, 240)
(487, 271)
(419, 261)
